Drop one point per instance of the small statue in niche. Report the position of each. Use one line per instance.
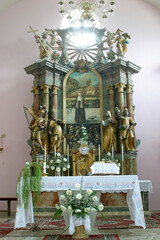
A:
(126, 133)
(38, 126)
(56, 129)
(109, 133)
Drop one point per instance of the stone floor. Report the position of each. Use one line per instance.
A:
(124, 234)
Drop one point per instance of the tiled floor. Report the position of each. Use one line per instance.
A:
(124, 234)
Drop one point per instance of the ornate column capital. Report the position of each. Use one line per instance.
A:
(35, 90)
(111, 89)
(46, 88)
(120, 87)
(129, 88)
(55, 89)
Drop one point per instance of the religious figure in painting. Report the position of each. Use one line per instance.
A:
(126, 133)
(56, 129)
(38, 126)
(80, 116)
(109, 133)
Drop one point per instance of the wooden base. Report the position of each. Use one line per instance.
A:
(80, 233)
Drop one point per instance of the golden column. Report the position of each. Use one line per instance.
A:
(111, 100)
(46, 96)
(36, 94)
(120, 88)
(54, 98)
(129, 92)
(46, 103)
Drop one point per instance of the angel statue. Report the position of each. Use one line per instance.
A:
(38, 126)
(122, 41)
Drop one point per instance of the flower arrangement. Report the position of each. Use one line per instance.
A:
(108, 158)
(79, 202)
(83, 136)
(58, 163)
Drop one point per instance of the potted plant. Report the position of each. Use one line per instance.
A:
(78, 203)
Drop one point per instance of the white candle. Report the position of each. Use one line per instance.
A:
(55, 150)
(68, 157)
(45, 153)
(99, 151)
(122, 158)
(122, 151)
(112, 151)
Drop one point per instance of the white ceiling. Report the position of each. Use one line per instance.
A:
(5, 4)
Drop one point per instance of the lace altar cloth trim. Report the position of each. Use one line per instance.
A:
(126, 183)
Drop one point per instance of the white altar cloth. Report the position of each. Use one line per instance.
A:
(121, 183)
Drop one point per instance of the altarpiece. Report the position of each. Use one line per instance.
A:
(87, 87)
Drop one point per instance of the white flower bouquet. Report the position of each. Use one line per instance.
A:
(79, 202)
(58, 163)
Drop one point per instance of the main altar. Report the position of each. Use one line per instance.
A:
(83, 110)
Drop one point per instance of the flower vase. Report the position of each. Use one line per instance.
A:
(58, 174)
(80, 233)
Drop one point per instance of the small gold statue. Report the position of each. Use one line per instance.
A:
(126, 133)
(109, 133)
(56, 128)
(44, 46)
(38, 126)
(122, 42)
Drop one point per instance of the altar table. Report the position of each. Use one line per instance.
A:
(121, 183)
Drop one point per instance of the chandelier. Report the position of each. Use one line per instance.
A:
(87, 8)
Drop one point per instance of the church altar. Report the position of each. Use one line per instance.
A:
(101, 184)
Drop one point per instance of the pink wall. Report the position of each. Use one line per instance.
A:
(18, 50)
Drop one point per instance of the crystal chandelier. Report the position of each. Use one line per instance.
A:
(87, 9)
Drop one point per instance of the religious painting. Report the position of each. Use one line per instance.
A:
(82, 105)
(83, 98)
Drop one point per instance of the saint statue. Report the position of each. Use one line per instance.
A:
(56, 128)
(126, 133)
(38, 126)
(109, 133)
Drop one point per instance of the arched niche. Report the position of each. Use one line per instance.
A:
(82, 104)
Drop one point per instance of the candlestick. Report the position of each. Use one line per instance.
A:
(68, 152)
(99, 151)
(68, 157)
(112, 151)
(44, 168)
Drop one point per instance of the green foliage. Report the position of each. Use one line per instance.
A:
(107, 157)
(31, 176)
